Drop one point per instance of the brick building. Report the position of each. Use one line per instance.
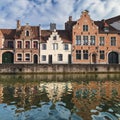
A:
(94, 42)
(82, 42)
(27, 40)
(20, 45)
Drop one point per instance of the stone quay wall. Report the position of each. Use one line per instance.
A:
(59, 68)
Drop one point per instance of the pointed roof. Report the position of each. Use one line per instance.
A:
(113, 19)
(102, 24)
(64, 34)
(8, 33)
(34, 29)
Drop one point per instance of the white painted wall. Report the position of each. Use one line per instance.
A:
(54, 53)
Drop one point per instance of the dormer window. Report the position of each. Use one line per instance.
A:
(106, 27)
(27, 33)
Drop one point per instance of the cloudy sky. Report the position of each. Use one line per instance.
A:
(44, 12)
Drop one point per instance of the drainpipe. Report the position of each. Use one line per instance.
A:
(39, 40)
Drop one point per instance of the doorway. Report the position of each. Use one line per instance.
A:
(50, 59)
(35, 59)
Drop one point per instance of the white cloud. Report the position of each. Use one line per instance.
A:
(45, 11)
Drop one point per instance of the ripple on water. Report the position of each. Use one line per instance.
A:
(104, 116)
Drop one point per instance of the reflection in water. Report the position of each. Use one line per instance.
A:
(60, 97)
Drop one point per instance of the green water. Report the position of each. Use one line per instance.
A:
(60, 97)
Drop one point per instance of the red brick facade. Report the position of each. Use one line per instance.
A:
(94, 41)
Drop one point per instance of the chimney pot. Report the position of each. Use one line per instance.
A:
(52, 26)
(18, 24)
(70, 18)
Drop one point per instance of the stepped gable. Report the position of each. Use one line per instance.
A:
(8, 33)
(64, 34)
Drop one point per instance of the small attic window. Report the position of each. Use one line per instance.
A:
(54, 37)
(27, 33)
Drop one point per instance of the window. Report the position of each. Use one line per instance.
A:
(78, 54)
(85, 54)
(55, 46)
(27, 57)
(27, 33)
(106, 29)
(35, 44)
(27, 44)
(44, 46)
(85, 27)
(92, 40)
(102, 54)
(10, 44)
(60, 57)
(66, 47)
(54, 37)
(19, 57)
(78, 40)
(19, 44)
(102, 41)
(85, 40)
(43, 57)
(113, 41)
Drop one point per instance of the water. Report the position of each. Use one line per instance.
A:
(60, 97)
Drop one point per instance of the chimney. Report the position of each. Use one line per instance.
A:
(70, 18)
(18, 25)
(27, 24)
(39, 29)
(52, 26)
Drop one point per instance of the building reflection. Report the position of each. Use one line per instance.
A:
(89, 95)
(1, 92)
(80, 95)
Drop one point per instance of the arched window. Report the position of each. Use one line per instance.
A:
(35, 44)
(19, 44)
(19, 57)
(27, 33)
(27, 57)
(27, 44)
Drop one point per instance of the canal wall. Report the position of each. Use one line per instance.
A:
(59, 68)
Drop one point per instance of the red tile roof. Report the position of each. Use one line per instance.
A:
(35, 30)
(8, 33)
(45, 34)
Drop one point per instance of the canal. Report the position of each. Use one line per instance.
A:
(60, 97)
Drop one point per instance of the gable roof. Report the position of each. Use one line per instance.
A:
(8, 33)
(64, 34)
(101, 26)
(113, 19)
(35, 31)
